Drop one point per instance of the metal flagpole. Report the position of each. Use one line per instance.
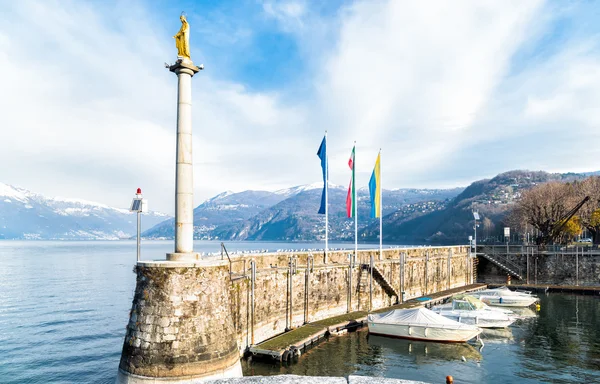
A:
(326, 202)
(355, 204)
(380, 211)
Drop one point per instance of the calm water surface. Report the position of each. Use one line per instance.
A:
(559, 345)
(64, 307)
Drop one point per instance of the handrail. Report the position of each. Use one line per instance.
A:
(501, 258)
(224, 249)
(241, 275)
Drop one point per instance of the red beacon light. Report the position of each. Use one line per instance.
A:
(139, 191)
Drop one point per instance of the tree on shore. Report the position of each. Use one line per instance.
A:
(571, 229)
(589, 214)
(543, 207)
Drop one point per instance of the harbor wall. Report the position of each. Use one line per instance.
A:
(320, 289)
(572, 267)
(193, 320)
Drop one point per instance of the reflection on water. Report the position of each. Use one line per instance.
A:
(497, 335)
(524, 312)
(423, 352)
(566, 336)
(561, 344)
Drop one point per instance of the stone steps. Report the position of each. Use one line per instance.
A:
(381, 280)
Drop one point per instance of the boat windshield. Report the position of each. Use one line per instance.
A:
(462, 305)
(475, 302)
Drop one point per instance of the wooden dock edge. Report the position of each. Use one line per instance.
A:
(294, 349)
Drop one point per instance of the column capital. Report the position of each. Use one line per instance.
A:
(184, 66)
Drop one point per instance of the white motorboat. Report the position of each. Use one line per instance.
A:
(523, 292)
(480, 305)
(420, 324)
(504, 297)
(464, 311)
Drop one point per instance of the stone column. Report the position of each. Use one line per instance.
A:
(184, 177)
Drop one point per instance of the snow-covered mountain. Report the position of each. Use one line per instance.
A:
(293, 191)
(224, 209)
(228, 209)
(28, 215)
(287, 214)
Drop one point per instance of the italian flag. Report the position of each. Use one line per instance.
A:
(351, 189)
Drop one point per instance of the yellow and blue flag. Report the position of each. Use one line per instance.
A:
(375, 189)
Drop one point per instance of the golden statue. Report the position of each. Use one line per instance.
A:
(182, 39)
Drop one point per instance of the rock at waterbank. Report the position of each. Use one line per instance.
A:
(379, 380)
(282, 379)
(295, 379)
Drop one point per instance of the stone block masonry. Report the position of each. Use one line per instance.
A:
(562, 266)
(292, 289)
(193, 320)
(180, 325)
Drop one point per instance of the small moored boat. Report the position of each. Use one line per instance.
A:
(479, 304)
(466, 312)
(420, 324)
(505, 297)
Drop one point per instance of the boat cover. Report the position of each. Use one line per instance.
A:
(416, 316)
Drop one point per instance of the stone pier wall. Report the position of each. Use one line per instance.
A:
(319, 290)
(194, 319)
(179, 325)
(556, 268)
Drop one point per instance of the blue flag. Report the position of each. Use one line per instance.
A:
(322, 153)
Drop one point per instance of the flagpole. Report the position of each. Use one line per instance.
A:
(355, 205)
(380, 211)
(326, 203)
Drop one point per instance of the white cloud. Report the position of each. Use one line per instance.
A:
(287, 12)
(414, 78)
(89, 111)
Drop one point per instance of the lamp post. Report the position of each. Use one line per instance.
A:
(470, 245)
(507, 238)
(476, 217)
(139, 205)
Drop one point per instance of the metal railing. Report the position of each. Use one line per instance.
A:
(499, 256)
(233, 275)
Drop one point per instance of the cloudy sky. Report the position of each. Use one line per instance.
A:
(452, 91)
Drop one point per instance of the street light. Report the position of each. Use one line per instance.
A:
(507, 238)
(470, 245)
(476, 217)
(139, 205)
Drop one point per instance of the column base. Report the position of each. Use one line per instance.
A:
(183, 256)
(124, 377)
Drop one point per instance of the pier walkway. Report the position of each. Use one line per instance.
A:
(287, 345)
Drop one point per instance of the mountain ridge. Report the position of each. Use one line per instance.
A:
(492, 198)
(28, 215)
(294, 216)
(411, 215)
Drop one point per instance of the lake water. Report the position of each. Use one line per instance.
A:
(64, 307)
